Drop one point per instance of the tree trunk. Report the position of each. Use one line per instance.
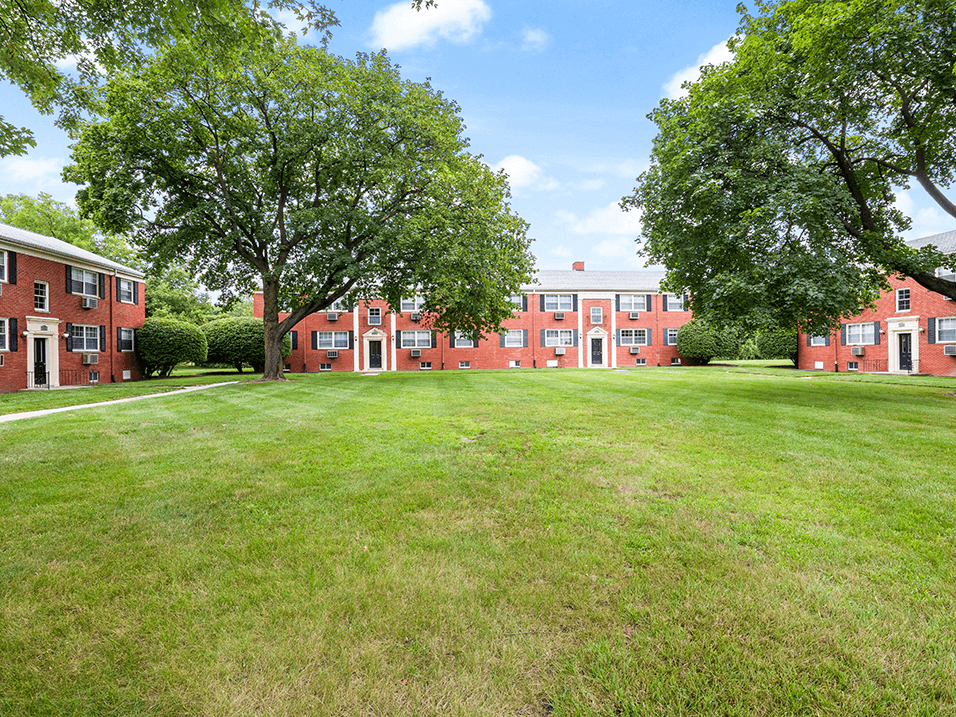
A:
(273, 337)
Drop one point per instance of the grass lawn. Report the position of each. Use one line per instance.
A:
(712, 541)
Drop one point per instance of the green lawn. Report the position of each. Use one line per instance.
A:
(714, 541)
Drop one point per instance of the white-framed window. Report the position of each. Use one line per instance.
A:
(514, 364)
(518, 301)
(674, 302)
(41, 296)
(852, 365)
(559, 337)
(374, 316)
(425, 366)
(462, 341)
(85, 283)
(670, 337)
(332, 339)
(3, 266)
(125, 291)
(94, 376)
(416, 339)
(945, 330)
(325, 367)
(902, 300)
(126, 340)
(633, 337)
(640, 362)
(339, 306)
(85, 338)
(4, 333)
(514, 338)
(558, 302)
(634, 302)
(818, 340)
(675, 361)
(861, 334)
(597, 315)
(413, 304)
(464, 364)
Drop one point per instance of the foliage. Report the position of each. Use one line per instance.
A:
(700, 343)
(749, 350)
(239, 340)
(317, 177)
(175, 295)
(162, 343)
(771, 190)
(778, 344)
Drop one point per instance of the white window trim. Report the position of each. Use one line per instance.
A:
(464, 364)
(84, 272)
(863, 332)
(942, 340)
(132, 339)
(667, 337)
(463, 342)
(852, 365)
(416, 338)
(909, 300)
(558, 337)
(5, 323)
(634, 339)
(818, 341)
(46, 308)
(674, 302)
(555, 302)
(119, 296)
(73, 336)
(333, 340)
(600, 315)
(374, 316)
(640, 299)
(5, 279)
(514, 339)
(413, 304)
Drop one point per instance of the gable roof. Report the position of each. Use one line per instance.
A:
(945, 242)
(61, 250)
(637, 281)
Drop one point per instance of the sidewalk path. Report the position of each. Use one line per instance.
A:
(46, 411)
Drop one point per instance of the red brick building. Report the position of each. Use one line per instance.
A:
(566, 319)
(911, 330)
(67, 316)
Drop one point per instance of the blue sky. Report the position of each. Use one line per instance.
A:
(555, 93)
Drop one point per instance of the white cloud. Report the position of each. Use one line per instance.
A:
(535, 39)
(714, 56)
(400, 27)
(621, 246)
(562, 250)
(604, 220)
(522, 172)
(40, 171)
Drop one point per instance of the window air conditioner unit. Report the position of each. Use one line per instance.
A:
(332, 316)
(416, 317)
(949, 350)
(858, 351)
(416, 353)
(332, 354)
(559, 351)
(88, 302)
(559, 315)
(635, 349)
(89, 359)
(634, 315)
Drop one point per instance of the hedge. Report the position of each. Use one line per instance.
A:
(240, 340)
(162, 343)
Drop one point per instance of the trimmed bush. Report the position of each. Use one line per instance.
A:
(700, 343)
(778, 344)
(240, 340)
(163, 343)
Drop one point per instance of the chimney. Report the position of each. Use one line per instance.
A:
(578, 266)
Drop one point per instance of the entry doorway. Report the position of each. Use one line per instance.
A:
(906, 351)
(375, 354)
(39, 362)
(597, 352)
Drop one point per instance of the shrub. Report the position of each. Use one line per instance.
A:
(163, 343)
(778, 344)
(700, 343)
(239, 340)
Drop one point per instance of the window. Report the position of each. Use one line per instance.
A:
(425, 366)
(597, 315)
(339, 305)
(641, 362)
(559, 337)
(125, 339)
(412, 304)
(41, 296)
(374, 316)
(852, 365)
(514, 364)
(416, 339)
(462, 341)
(332, 340)
(673, 302)
(514, 338)
(945, 330)
(82, 282)
(634, 302)
(558, 302)
(818, 341)
(325, 367)
(518, 301)
(85, 338)
(633, 337)
(94, 376)
(860, 333)
(464, 364)
(670, 337)
(125, 291)
(4, 344)
(675, 361)
(902, 299)
(3, 266)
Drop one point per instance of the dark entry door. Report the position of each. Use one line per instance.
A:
(39, 362)
(375, 354)
(906, 352)
(597, 356)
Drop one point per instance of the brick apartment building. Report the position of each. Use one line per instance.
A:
(67, 316)
(566, 319)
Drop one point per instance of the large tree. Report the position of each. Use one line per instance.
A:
(771, 191)
(314, 177)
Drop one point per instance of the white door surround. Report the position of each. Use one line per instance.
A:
(599, 334)
(40, 328)
(367, 338)
(896, 327)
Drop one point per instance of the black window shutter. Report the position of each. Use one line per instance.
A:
(118, 288)
(398, 339)
(294, 335)
(617, 302)
(524, 303)
(434, 339)
(119, 339)
(931, 330)
(649, 302)
(69, 279)
(451, 340)
(666, 339)
(618, 341)
(315, 340)
(502, 337)
(574, 302)
(11, 267)
(650, 336)
(541, 296)
(136, 293)
(876, 332)
(686, 302)
(842, 334)
(351, 340)
(14, 337)
(542, 337)
(102, 286)
(575, 337)
(525, 338)
(828, 340)
(809, 339)
(69, 341)
(102, 338)
(664, 304)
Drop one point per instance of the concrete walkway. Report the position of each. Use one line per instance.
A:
(47, 411)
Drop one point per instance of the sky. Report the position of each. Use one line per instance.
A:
(555, 93)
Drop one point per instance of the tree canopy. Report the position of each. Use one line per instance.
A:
(770, 195)
(314, 177)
